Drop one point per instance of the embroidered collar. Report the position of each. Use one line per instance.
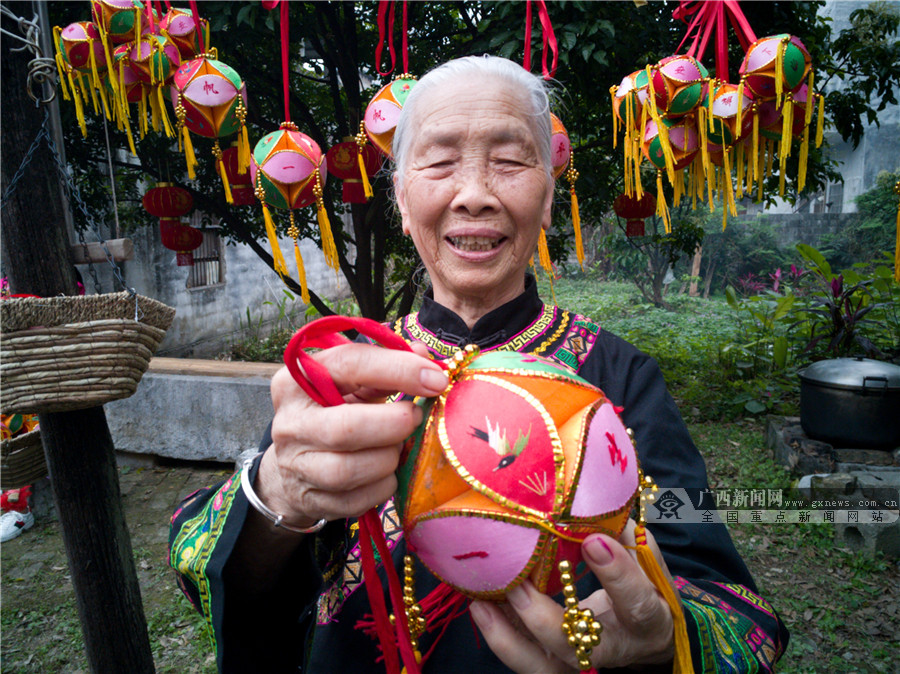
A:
(491, 330)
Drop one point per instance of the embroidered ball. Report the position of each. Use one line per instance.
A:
(383, 111)
(514, 465)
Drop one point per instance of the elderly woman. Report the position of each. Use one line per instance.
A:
(474, 189)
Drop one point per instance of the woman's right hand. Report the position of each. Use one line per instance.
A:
(337, 462)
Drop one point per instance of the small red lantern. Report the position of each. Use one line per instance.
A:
(168, 203)
(344, 164)
(634, 211)
(180, 238)
(241, 183)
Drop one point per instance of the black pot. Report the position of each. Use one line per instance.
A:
(851, 402)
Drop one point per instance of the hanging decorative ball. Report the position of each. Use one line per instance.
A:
(241, 184)
(118, 18)
(285, 163)
(560, 146)
(679, 84)
(213, 96)
(343, 163)
(81, 47)
(683, 139)
(210, 99)
(181, 28)
(180, 238)
(633, 91)
(775, 64)
(635, 211)
(514, 465)
(383, 111)
(731, 113)
(154, 59)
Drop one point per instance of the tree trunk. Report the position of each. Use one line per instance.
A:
(77, 445)
(695, 272)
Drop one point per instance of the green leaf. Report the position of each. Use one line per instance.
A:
(732, 299)
(784, 306)
(754, 407)
(816, 258)
(243, 14)
(779, 352)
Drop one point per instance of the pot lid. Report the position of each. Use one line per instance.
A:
(853, 373)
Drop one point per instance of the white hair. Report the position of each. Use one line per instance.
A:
(475, 69)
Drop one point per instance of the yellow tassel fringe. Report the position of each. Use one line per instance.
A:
(301, 274)
(277, 257)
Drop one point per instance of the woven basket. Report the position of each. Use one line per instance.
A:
(69, 353)
(22, 461)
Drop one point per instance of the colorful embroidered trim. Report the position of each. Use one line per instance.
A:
(729, 639)
(415, 331)
(331, 600)
(196, 540)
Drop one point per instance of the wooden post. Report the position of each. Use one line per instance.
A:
(78, 446)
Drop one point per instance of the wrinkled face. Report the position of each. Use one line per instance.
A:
(474, 195)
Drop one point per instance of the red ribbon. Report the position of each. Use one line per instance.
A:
(549, 39)
(196, 13)
(385, 26)
(709, 16)
(314, 379)
(285, 68)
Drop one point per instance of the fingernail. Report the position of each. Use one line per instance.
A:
(598, 551)
(433, 380)
(480, 614)
(518, 597)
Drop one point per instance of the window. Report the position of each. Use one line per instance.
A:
(209, 262)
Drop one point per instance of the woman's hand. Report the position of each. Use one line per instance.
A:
(337, 462)
(637, 623)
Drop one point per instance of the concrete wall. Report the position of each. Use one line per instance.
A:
(208, 319)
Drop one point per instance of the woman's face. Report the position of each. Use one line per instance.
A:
(474, 195)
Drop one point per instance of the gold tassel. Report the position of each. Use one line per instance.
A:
(110, 64)
(661, 129)
(367, 187)
(810, 99)
(740, 108)
(120, 93)
(189, 156)
(154, 111)
(167, 125)
(897, 245)
(328, 246)
(89, 90)
(740, 171)
(106, 107)
(243, 151)
(727, 187)
(79, 107)
(301, 274)
(94, 74)
(544, 254)
(820, 121)
(804, 153)
(142, 112)
(770, 154)
(678, 188)
(615, 117)
(662, 209)
(220, 165)
(683, 663)
(277, 257)
(576, 225)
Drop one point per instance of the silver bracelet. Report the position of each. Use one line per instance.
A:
(262, 509)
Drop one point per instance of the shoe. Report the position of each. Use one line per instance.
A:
(14, 523)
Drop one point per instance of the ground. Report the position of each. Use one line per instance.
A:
(843, 608)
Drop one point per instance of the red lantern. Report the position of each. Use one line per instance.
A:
(343, 163)
(168, 201)
(241, 183)
(634, 211)
(180, 238)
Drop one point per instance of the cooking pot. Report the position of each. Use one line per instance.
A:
(851, 402)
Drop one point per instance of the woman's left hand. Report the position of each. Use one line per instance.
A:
(637, 622)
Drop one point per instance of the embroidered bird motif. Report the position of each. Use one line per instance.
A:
(497, 441)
